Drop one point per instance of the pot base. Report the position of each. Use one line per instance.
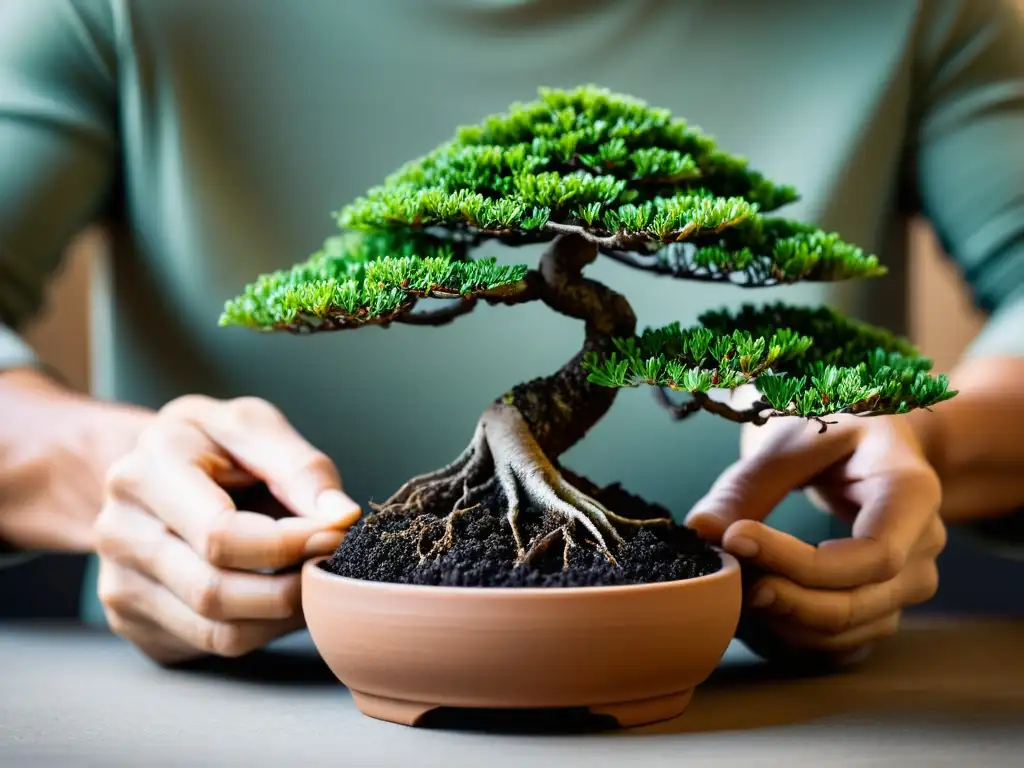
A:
(627, 714)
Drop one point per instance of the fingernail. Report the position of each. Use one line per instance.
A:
(322, 543)
(762, 598)
(743, 547)
(705, 524)
(337, 509)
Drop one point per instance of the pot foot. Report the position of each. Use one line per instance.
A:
(391, 710)
(630, 714)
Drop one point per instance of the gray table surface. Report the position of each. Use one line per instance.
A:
(940, 693)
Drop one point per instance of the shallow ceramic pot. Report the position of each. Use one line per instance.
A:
(635, 652)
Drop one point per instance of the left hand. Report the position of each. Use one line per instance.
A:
(837, 598)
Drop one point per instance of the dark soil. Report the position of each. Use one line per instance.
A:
(484, 551)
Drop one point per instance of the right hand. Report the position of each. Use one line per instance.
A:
(183, 572)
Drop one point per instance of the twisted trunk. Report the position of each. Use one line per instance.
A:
(521, 434)
(560, 409)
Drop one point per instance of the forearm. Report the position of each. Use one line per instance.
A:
(55, 449)
(976, 440)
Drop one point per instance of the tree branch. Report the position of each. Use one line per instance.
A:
(527, 289)
(656, 265)
(678, 411)
(602, 241)
(442, 316)
(753, 415)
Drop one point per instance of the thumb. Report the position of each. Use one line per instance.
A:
(259, 438)
(753, 486)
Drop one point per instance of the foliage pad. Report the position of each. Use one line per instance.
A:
(804, 362)
(368, 280)
(618, 170)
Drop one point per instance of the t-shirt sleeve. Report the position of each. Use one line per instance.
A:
(58, 145)
(968, 158)
(58, 150)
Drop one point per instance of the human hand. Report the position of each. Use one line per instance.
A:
(834, 600)
(183, 571)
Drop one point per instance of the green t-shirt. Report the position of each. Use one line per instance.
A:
(216, 137)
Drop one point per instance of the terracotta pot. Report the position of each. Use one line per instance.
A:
(633, 652)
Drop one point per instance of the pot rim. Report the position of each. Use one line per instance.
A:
(730, 568)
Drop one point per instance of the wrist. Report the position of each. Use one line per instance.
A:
(981, 428)
(56, 446)
(928, 429)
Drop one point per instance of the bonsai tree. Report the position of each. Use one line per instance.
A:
(593, 173)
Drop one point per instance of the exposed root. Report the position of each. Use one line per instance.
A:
(511, 490)
(424, 526)
(422, 492)
(575, 496)
(447, 540)
(543, 544)
(524, 471)
(505, 453)
(569, 544)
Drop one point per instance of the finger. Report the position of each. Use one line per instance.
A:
(178, 438)
(134, 597)
(753, 486)
(896, 510)
(836, 611)
(189, 503)
(150, 639)
(798, 636)
(143, 544)
(260, 439)
(834, 564)
(118, 604)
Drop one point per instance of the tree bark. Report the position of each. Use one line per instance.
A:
(560, 409)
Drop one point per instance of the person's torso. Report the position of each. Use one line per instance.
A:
(244, 125)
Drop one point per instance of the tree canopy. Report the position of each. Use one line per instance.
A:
(647, 189)
(630, 176)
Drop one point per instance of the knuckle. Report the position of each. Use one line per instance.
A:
(891, 560)
(836, 619)
(223, 639)
(113, 597)
(276, 552)
(106, 532)
(286, 598)
(927, 585)
(318, 464)
(249, 410)
(937, 539)
(168, 434)
(923, 481)
(215, 545)
(123, 478)
(185, 407)
(117, 622)
(206, 597)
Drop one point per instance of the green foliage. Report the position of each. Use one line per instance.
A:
(620, 170)
(650, 190)
(592, 129)
(838, 340)
(805, 362)
(361, 280)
